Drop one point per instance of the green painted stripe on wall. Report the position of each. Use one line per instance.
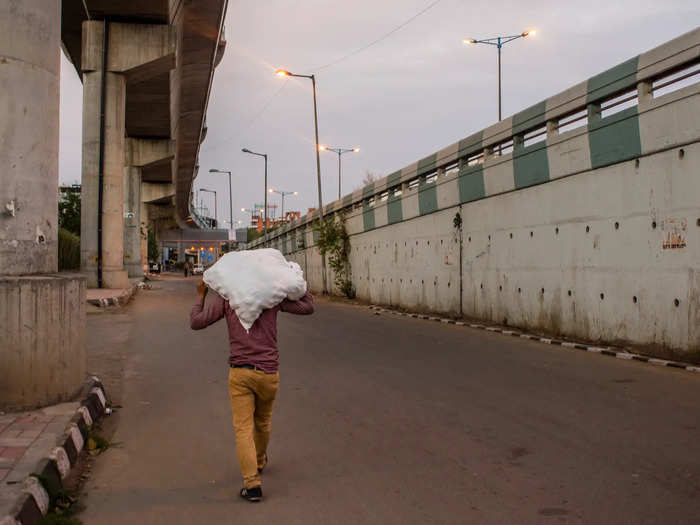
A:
(427, 197)
(471, 184)
(615, 138)
(393, 179)
(471, 144)
(615, 79)
(529, 118)
(394, 209)
(530, 165)
(367, 218)
(427, 164)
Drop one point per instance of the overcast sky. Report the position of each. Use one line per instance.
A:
(404, 98)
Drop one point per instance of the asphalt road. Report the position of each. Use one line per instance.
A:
(389, 420)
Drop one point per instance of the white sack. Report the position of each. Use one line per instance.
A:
(255, 280)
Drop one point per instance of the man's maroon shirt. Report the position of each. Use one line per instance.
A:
(258, 346)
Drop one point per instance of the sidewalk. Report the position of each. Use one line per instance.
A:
(113, 297)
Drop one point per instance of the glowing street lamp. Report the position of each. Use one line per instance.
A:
(285, 73)
(499, 42)
(339, 151)
(264, 155)
(283, 193)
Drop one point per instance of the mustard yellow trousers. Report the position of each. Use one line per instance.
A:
(252, 396)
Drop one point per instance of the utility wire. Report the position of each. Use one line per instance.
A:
(384, 37)
(325, 66)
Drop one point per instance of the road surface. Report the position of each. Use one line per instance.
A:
(381, 419)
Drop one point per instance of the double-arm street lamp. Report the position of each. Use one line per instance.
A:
(285, 73)
(283, 194)
(264, 155)
(230, 202)
(499, 42)
(216, 215)
(340, 152)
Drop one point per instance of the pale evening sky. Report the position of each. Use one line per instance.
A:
(419, 90)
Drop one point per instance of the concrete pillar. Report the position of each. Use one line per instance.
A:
(134, 52)
(29, 99)
(132, 222)
(42, 314)
(141, 154)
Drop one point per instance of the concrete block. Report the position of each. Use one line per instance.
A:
(42, 329)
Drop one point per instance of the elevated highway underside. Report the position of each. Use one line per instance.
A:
(162, 54)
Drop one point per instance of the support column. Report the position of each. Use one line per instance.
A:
(142, 154)
(42, 312)
(132, 222)
(134, 53)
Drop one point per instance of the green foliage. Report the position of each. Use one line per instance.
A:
(68, 250)
(153, 249)
(334, 241)
(69, 212)
(253, 234)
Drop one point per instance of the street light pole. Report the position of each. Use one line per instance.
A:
(230, 199)
(283, 193)
(499, 42)
(264, 155)
(285, 73)
(340, 152)
(216, 214)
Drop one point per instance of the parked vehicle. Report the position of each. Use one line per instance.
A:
(154, 267)
(197, 269)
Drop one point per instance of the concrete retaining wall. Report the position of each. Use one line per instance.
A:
(588, 228)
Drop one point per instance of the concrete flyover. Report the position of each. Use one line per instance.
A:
(147, 69)
(159, 58)
(579, 215)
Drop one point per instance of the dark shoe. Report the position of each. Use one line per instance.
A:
(253, 494)
(267, 460)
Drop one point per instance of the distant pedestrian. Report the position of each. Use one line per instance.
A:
(253, 377)
(187, 267)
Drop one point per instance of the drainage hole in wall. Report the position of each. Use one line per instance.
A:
(588, 228)
(653, 225)
(422, 281)
(532, 233)
(569, 293)
(519, 290)
(542, 291)
(489, 237)
(440, 242)
(636, 163)
(500, 288)
(602, 296)
(428, 243)
(634, 299)
(482, 286)
(448, 285)
(556, 230)
(617, 225)
(511, 235)
(470, 239)
(676, 302)
(681, 153)
(698, 223)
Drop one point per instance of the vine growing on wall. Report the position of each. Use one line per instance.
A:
(334, 242)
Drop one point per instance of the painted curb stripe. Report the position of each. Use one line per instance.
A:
(36, 491)
(60, 457)
(627, 356)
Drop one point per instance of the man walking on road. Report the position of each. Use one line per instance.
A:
(253, 378)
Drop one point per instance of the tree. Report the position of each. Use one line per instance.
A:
(369, 178)
(153, 250)
(69, 212)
